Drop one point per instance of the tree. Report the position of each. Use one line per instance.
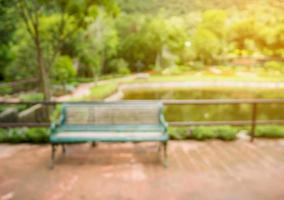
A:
(99, 44)
(31, 13)
(7, 28)
(206, 46)
(63, 69)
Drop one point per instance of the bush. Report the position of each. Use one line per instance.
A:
(274, 66)
(215, 132)
(178, 133)
(5, 89)
(24, 135)
(63, 70)
(226, 133)
(32, 97)
(270, 131)
(119, 66)
(55, 116)
(37, 135)
(174, 70)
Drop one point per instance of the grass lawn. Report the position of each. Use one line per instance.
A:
(102, 91)
(205, 76)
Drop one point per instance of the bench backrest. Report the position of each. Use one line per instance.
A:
(115, 113)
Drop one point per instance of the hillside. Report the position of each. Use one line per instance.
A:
(177, 7)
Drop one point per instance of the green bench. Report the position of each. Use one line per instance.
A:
(110, 122)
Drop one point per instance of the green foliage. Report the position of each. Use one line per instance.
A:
(23, 63)
(5, 89)
(63, 70)
(270, 131)
(55, 115)
(226, 133)
(102, 91)
(174, 70)
(119, 66)
(24, 135)
(7, 28)
(206, 53)
(181, 7)
(31, 97)
(178, 133)
(148, 41)
(98, 46)
(219, 132)
(274, 66)
(152, 35)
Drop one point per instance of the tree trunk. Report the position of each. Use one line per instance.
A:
(43, 76)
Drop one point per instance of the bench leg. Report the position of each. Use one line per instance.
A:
(53, 150)
(94, 144)
(165, 153)
(63, 149)
(159, 148)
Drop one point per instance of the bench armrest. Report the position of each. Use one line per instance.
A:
(55, 125)
(62, 119)
(53, 128)
(163, 122)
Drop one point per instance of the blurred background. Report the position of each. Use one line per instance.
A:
(85, 50)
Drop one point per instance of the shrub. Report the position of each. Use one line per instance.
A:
(123, 70)
(274, 65)
(174, 70)
(5, 89)
(178, 133)
(55, 116)
(63, 70)
(119, 66)
(24, 135)
(226, 133)
(37, 135)
(215, 132)
(32, 97)
(270, 131)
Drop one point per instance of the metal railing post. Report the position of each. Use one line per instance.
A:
(253, 121)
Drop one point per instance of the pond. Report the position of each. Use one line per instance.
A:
(212, 112)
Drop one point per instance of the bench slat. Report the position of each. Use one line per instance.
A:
(89, 136)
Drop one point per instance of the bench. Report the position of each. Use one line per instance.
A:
(110, 122)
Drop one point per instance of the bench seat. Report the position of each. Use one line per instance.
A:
(66, 137)
(110, 128)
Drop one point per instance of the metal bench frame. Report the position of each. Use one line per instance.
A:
(55, 129)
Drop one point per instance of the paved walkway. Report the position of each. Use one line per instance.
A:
(84, 89)
(212, 170)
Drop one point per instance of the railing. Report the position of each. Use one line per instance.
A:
(21, 85)
(253, 122)
(254, 111)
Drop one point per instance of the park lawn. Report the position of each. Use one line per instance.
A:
(203, 76)
(102, 91)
